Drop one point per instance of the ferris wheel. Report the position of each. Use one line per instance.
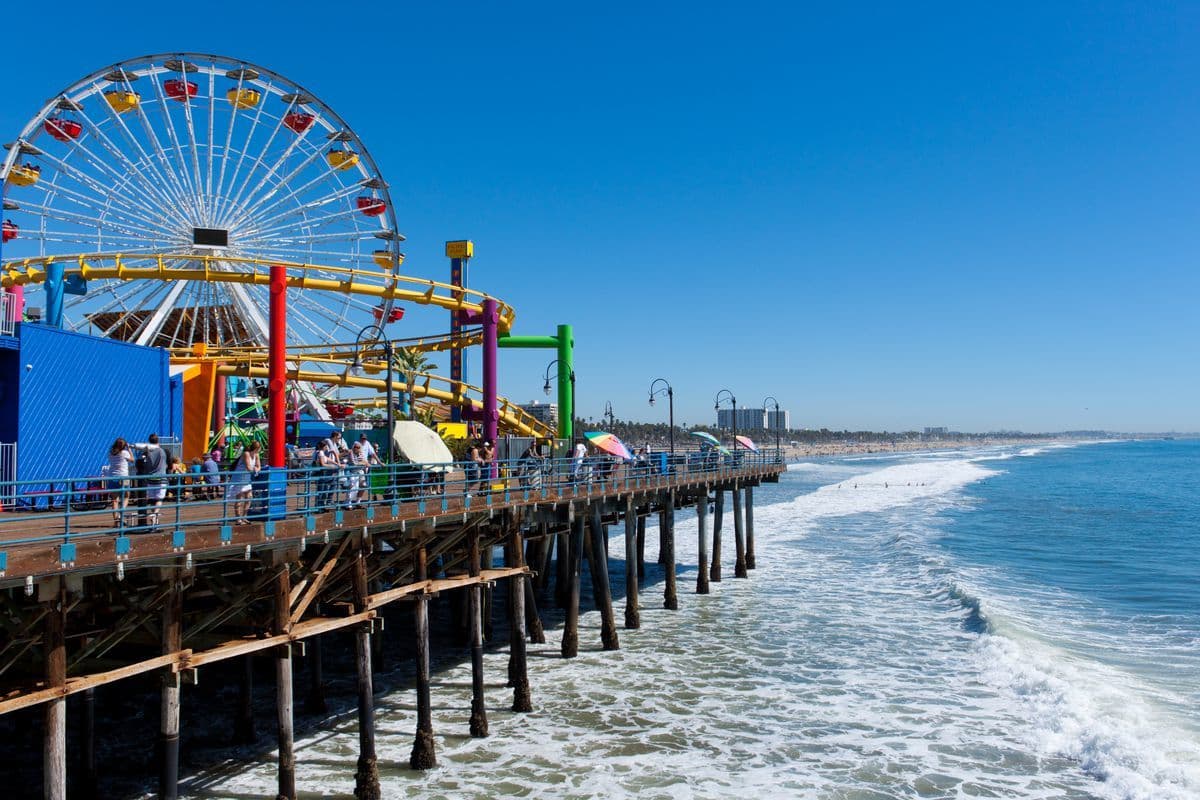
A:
(178, 158)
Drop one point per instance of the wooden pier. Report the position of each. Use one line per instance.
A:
(79, 615)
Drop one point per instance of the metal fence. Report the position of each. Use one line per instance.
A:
(63, 510)
(8, 473)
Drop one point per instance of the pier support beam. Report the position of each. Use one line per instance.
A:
(670, 597)
(633, 617)
(168, 735)
(601, 591)
(479, 722)
(283, 686)
(87, 765)
(533, 620)
(570, 640)
(366, 775)
(702, 544)
(718, 512)
(739, 542)
(520, 590)
(641, 548)
(54, 743)
(422, 751)
(749, 527)
(662, 537)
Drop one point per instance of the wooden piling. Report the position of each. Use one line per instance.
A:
(601, 590)
(670, 597)
(314, 702)
(749, 527)
(662, 537)
(54, 743)
(423, 751)
(283, 686)
(714, 572)
(168, 736)
(243, 724)
(641, 548)
(479, 723)
(632, 614)
(366, 775)
(520, 589)
(739, 542)
(562, 571)
(702, 544)
(570, 640)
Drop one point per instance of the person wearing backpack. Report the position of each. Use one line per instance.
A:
(151, 467)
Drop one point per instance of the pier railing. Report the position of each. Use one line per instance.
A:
(67, 509)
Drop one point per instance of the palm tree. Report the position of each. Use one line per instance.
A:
(409, 361)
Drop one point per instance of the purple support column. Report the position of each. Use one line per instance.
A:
(491, 333)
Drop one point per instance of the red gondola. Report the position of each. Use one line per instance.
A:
(371, 206)
(339, 410)
(10, 230)
(63, 128)
(178, 89)
(396, 315)
(299, 121)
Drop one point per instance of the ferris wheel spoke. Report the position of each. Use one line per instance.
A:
(253, 206)
(258, 211)
(212, 114)
(339, 192)
(273, 170)
(266, 147)
(305, 224)
(74, 218)
(172, 178)
(163, 189)
(222, 192)
(190, 125)
(119, 300)
(307, 253)
(180, 159)
(120, 216)
(134, 200)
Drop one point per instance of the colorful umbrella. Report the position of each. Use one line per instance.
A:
(748, 443)
(707, 437)
(609, 444)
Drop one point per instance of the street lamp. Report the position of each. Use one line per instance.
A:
(378, 336)
(608, 412)
(546, 389)
(670, 408)
(721, 395)
(778, 458)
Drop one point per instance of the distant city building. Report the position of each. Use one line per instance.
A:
(942, 431)
(546, 413)
(754, 419)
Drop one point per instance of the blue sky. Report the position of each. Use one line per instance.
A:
(885, 216)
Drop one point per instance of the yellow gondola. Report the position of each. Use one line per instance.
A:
(341, 160)
(122, 100)
(25, 174)
(243, 98)
(386, 259)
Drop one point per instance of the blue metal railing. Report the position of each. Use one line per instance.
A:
(65, 510)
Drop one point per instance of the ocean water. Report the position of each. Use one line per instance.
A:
(1003, 622)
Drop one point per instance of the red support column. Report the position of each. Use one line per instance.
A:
(277, 370)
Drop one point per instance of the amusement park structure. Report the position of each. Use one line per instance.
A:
(166, 200)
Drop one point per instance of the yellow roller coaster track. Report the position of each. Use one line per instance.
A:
(216, 269)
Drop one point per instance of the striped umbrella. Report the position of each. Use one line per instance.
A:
(609, 444)
(748, 443)
(707, 437)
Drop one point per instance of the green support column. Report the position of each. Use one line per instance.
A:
(564, 343)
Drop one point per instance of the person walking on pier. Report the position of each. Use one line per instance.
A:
(241, 482)
(119, 460)
(356, 475)
(325, 460)
(212, 476)
(151, 467)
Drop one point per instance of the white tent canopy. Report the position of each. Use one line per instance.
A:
(420, 445)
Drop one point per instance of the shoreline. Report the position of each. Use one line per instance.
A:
(792, 453)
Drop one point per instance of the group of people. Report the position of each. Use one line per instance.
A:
(481, 455)
(151, 467)
(334, 461)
